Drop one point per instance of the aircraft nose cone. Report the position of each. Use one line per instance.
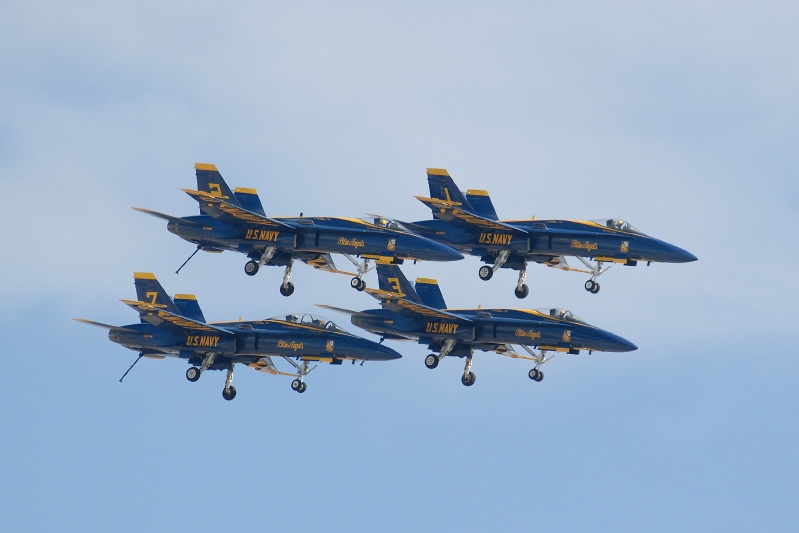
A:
(619, 344)
(675, 254)
(441, 252)
(384, 353)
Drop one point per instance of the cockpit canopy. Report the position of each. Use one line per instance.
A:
(385, 223)
(616, 223)
(307, 319)
(563, 314)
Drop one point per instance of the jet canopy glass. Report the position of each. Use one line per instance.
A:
(616, 223)
(307, 319)
(385, 223)
(563, 314)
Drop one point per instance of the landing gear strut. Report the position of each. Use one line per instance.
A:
(468, 376)
(251, 267)
(522, 290)
(596, 270)
(299, 385)
(229, 392)
(357, 282)
(535, 373)
(287, 287)
(432, 360)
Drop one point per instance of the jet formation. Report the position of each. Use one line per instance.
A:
(462, 223)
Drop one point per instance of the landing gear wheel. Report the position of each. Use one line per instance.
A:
(525, 290)
(595, 289)
(431, 361)
(229, 393)
(288, 290)
(358, 284)
(485, 272)
(251, 268)
(302, 388)
(592, 286)
(296, 385)
(468, 379)
(535, 374)
(193, 374)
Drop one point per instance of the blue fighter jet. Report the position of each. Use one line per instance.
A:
(419, 313)
(468, 222)
(177, 328)
(235, 220)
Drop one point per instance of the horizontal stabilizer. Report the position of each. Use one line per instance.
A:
(228, 213)
(98, 324)
(157, 316)
(337, 309)
(183, 221)
(452, 212)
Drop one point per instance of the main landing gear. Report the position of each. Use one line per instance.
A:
(432, 360)
(299, 385)
(194, 373)
(252, 266)
(487, 272)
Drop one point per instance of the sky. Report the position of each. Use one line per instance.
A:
(680, 117)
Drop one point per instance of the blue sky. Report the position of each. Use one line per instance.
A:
(679, 117)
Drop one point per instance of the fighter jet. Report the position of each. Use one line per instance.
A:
(177, 328)
(419, 313)
(235, 220)
(468, 222)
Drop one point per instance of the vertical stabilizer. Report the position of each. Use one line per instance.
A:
(248, 199)
(442, 187)
(150, 291)
(482, 204)
(430, 293)
(187, 306)
(210, 180)
(391, 279)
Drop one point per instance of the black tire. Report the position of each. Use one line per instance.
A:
(288, 290)
(595, 289)
(522, 293)
(468, 379)
(589, 285)
(296, 385)
(361, 286)
(533, 374)
(431, 361)
(485, 272)
(302, 387)
(193, 374)
(355, 283)
(539, 377)
(229, 393)
(251, 268)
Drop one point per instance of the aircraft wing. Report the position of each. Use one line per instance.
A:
(451, 212)
(155, 315)
(218, 208)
